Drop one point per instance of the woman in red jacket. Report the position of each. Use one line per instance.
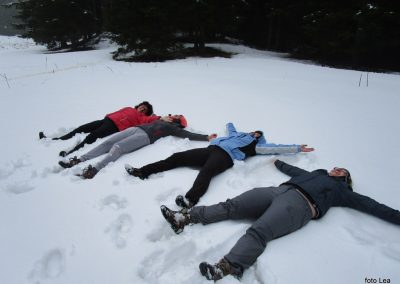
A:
(110, 124)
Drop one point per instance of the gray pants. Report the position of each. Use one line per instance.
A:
(278, 210)
(121, 143)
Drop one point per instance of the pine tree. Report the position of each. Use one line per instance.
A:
(60, 24)
(144, 27)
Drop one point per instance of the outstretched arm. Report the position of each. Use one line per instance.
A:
(370, 206)
(275, 149)
(289, 170)
(231, 128)
(192, 136)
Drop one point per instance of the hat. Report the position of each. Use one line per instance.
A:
(183, 121)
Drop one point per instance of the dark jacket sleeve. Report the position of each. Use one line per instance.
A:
(370, 206)
(190, 135)
(290, 170)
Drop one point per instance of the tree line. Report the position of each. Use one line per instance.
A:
(357, 34)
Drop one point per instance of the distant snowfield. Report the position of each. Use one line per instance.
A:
(57, 228)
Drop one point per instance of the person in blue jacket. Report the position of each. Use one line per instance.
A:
(277, 211)
(215, 159)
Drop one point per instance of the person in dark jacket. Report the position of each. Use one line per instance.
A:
(278, 211)
(215, 159)
(110, 124)
(133, 139)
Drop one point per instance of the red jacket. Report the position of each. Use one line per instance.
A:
(128, 117)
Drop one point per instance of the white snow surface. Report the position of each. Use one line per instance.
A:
(58, 228)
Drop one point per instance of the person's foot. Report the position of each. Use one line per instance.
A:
(62, 154)
(217, 271)
(89, 172)
(72, 162)
(134, 171)
(41, 135)
(176, 219)
(183, 202)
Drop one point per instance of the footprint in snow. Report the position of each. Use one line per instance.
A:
(168, 196)
(163, 231)
(114, 201)
(168, 266)
(13, 166)
(18, 187)
(50, 266)
(119, 230)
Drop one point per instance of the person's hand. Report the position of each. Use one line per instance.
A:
(167, 118)
(212, 136)
(304, 148)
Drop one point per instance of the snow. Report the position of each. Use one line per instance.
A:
(58, 228)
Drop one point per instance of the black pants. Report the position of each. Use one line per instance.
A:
(96, 129)
(213, 160)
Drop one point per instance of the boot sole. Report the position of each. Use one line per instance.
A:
(64, 165)
(164, 211)
(204, 270)
(180, 202)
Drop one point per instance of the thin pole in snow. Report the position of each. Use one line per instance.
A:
(367, 79)
(5, 78)
(359, 83)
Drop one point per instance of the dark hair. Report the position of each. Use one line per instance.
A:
(348, 179)
(259, 132)
(148, 105)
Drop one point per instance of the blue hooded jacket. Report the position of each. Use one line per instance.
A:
(236, 140)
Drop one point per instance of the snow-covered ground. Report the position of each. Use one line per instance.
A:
(57, 228)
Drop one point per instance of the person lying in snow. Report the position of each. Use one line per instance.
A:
(215, 159)
(277, 211)
(110, 124)
(133, 139)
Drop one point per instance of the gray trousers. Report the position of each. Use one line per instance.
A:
(129, 140)
(278, 211)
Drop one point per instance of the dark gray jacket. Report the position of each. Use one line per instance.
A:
(326, 192)
(159, 128)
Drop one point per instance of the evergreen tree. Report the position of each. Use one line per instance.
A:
(377, 38)
(144, 27)
(207, 20)
(60, 24)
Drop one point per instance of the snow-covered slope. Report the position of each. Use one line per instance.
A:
(57, 228)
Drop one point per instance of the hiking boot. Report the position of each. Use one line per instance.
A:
(62, 154)
(176, 219)
(134, 171)
(89, 172)
(41, 135)
(72, 162)
(217, 271)
(183, 202)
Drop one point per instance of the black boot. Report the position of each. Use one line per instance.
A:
(41, 135)
(176, 219)
(217, 271)
(89, 172)
(183, 202)
(63, 154)
(134, 171)
(72, 162)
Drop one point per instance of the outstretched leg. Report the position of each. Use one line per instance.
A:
(85, 128)
(287, 213)
(133, 142)
(248, 205)
(191, 158)
(218, 161)
(105, 129)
